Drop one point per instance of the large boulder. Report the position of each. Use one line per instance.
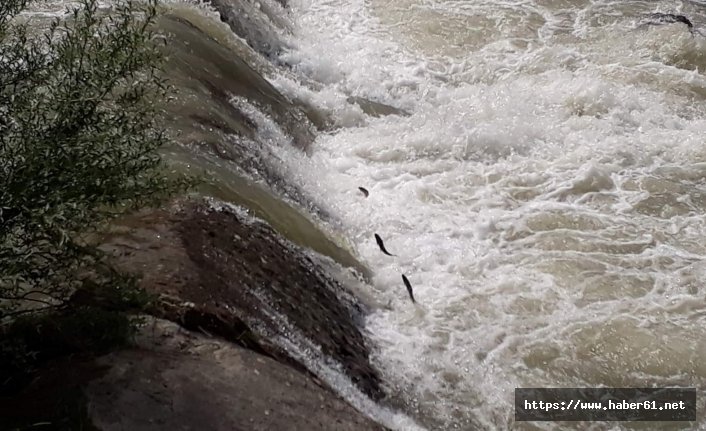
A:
(218, 270)
(175, 380)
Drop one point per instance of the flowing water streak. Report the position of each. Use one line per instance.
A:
(546, 197)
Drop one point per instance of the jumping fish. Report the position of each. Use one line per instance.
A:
(409, 288)
(382, 245)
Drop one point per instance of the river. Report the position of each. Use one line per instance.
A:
(545, 197)
(543, 188)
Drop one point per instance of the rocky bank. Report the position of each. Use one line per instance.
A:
(238, 313)
(220, 271)
(179, 380)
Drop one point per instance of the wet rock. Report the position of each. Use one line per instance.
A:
(229, 121)
(237, 278)
(289, 221)
(209, 74)
(179, 380)
(173, 379)
(248, 21)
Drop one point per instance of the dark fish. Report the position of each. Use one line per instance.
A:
(381, 245)
(409, 288)
(671, 18)
(364, 190)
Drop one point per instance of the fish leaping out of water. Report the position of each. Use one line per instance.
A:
(382, 245)
(409, 288)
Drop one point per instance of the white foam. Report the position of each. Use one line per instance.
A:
(537, 198)
(310, 355)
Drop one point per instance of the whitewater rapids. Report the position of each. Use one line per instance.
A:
(545, 197)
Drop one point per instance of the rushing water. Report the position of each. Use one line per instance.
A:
(545, 197)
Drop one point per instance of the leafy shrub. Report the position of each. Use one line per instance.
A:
(79, 144)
